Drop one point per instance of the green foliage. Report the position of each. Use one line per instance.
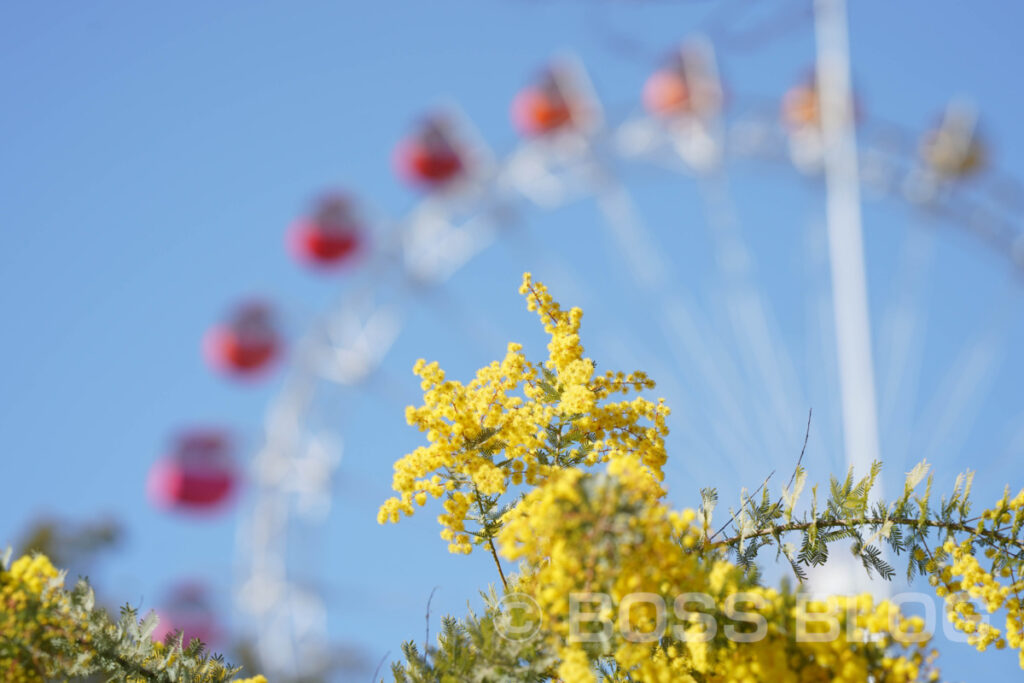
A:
(125, 649)
(905, 525)
(58, 632)
(73, 545)
(472, 650)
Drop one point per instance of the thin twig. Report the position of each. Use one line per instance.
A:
(426, 638)
(494, 554)
(792, 478)
(490, 541)
(807, 434)
(379, 665)
(732, 518)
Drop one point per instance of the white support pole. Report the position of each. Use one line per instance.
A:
(846, 247)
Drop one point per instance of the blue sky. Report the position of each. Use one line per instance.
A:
(153, 155)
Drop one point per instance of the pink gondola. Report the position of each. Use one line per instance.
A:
(198, 474)
(187, 608)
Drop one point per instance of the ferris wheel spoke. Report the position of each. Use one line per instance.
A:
(948, 418)
(710, 369)
(729, 433)
(681, 324)
(678, 321)
(903, 323)
(642, 257)
(765, 354)
(715, 434)
(689, 417)
(823, 384)
(902, 341)
(766, 361)
(957, 401)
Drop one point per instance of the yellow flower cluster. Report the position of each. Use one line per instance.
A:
(597, 535)
(34, 615)
(958, 577)
(497, 431)
(616, 427)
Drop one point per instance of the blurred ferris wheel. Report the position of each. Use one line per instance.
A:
(743, 381)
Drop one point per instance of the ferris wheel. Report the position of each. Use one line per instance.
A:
(691, 130)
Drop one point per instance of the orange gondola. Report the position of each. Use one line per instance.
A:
(544, 107)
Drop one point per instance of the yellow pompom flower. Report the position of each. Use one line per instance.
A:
(518, 423)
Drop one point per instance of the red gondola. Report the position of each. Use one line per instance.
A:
(245, 345)
(199, 474)
(330, 236)
(430, 157)
(543, 108)
(188, 609)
